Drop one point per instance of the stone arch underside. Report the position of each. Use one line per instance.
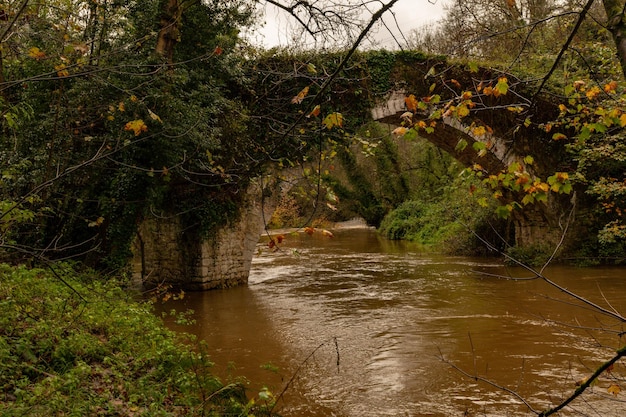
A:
(536, 224)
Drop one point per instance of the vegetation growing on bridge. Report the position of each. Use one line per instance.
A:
(113, 112)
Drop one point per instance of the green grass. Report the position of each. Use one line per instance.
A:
(72, 345)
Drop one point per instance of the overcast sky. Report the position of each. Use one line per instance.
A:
(410, 14)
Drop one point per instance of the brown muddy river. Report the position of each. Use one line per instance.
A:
(362, 326)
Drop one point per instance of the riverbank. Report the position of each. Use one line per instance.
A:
(71, 344)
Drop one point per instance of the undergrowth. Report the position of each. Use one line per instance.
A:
(74, 346)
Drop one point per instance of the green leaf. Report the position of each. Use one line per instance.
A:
(502, 86)
(479, 146)
(528, 199)
(461, 145)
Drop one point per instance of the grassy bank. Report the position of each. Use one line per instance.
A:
(72, 345)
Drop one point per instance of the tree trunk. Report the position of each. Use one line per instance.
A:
(169, 34)
(615, 24)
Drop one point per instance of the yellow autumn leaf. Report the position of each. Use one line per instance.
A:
(622, 120)
(614, 389)
(400, 131)
(462, 111)
(479, 131)
(333, 119)
(593, 92)
(542, 186)
(154, 116)
(121, 107)
(36, 53)
(96, 222)
(137, 126)
(301, 95)
(61, 70)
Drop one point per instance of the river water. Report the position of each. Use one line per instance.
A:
(356, 325)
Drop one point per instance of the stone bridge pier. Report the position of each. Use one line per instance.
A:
(165, 253)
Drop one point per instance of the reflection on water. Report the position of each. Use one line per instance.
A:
(385, 321)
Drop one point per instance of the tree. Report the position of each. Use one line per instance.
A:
(101, 122)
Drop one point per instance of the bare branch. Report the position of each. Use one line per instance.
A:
(586, 384)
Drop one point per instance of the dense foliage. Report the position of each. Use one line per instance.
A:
(70, 345)
(101, 129)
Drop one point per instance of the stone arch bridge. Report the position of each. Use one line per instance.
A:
(161, 255)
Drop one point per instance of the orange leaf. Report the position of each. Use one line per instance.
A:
(456, 83)
(610, 87)
(280, 238)
(301, 95)
(327, 233)
(315, 112)
(411, 103)
(61, 70)
(271, 244)
(309, 230)
(218, 51)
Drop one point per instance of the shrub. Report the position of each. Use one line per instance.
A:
(68, 347)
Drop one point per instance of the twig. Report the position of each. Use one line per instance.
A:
(297, 371)
(586, 384)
